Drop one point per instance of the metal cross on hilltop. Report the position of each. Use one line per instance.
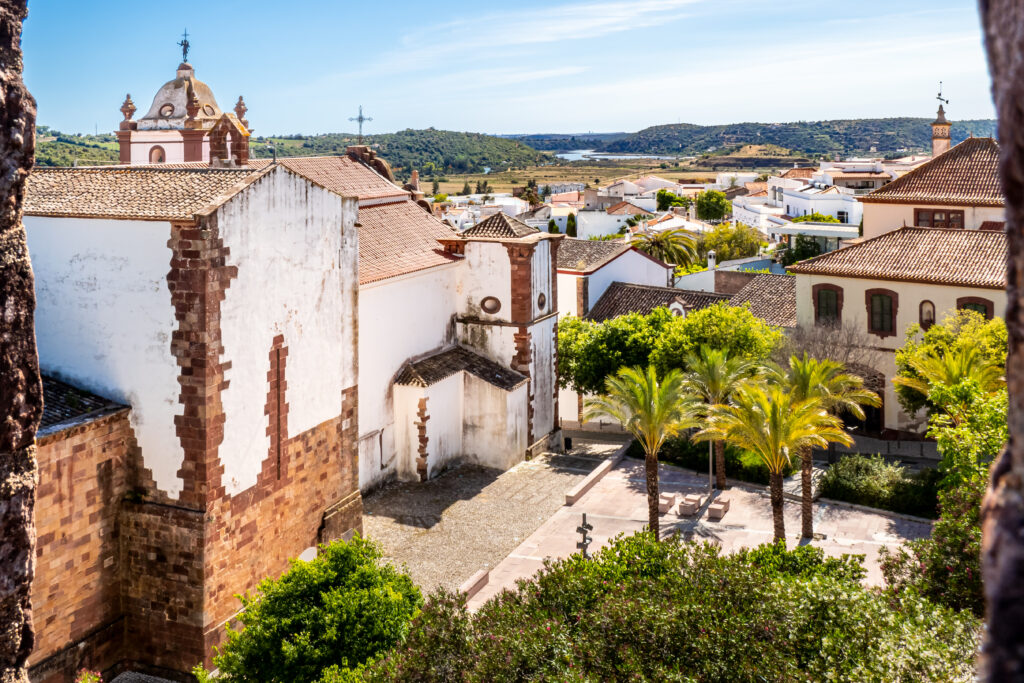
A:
(360, 119)
(184, 46)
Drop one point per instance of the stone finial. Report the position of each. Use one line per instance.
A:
(240, 110)
(128, 108)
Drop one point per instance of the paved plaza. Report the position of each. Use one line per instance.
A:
(469, 518)
(618, 504)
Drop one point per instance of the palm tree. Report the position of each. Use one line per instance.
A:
(839, 392)
(772, 423)
(951, 368)
(713, 376)
(651, 411)
(674, 246)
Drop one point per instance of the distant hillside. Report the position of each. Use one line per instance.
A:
(845, 136)
(431, 151)
(564, 142)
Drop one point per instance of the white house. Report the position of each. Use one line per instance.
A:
(908, 275)
(586, 268)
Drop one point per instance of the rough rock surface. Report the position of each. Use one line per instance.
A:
(1002, 657)
(21, 399)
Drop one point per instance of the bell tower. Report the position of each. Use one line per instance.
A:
(940, 128)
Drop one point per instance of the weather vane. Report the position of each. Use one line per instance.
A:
(939, 96)
(184, 46)
(360, 119)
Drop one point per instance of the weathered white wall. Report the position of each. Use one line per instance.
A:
(487, 272)
(883, 218)
(295, 247)
(494, 423)
(567, 294)
(104, 321)
(911, 294)
(541, 274)
(399, 319)
(703, 281)
(631, 267)
(406, 403)
(542, 375)
(444, 428)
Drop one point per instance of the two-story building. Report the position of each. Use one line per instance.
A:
(909, 275)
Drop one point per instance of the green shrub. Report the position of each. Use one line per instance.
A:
(739, 464)
(945, 568)
(321, 620)
(871, 481)
(676, 611)
(804, 561)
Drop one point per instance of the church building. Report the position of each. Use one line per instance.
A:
(234, 348)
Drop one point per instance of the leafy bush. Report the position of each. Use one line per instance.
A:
(321, 620)
(871, 481)
(643, 610)
(960, 329)
(729, 242)
(804, 561)
(945, 568)
(815, 217)
(739, 464)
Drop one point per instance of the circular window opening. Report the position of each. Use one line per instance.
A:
(166, 110)
(542, 301)
(208, 110)
(490, 305)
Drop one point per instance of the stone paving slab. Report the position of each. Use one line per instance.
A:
(618, 504)
(469, 518)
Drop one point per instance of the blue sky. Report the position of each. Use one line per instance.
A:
(529, 66)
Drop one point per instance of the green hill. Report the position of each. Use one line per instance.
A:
(843, 136)
(431, 151)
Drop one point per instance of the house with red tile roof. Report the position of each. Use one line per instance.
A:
(958, 189)
(882, 285)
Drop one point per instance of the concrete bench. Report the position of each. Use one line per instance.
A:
(690, 504)
(666, 501)
(718, 508)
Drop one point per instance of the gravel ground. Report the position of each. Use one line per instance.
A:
(468, 518)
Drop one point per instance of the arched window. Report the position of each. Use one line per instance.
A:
(976, 303)
(926, 314)
(828, 304)
(881, 308)
(157, 155)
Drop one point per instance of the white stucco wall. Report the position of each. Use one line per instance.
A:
(488, 272)
(567, 294)
(295, 247)
(444, 428)
(542, 376)
(800, 204)
(400, 319)
(541, 280)
(104, 321)
(631, 267)
(911, 295)
(883, 218)
(494, 423)
(172, 142)
(598, 223)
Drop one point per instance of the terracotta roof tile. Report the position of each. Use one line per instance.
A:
(966, 175)
(586, 255)
(993, 225)
(799, 172)
(145, 193)
(433, 369)
(625, 208)
(65, 405)
(501, 226)
(621, 298)
(967, 258)
(771, 297)
(344, 175)
(399, 238)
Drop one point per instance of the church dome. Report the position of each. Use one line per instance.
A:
(169, 108)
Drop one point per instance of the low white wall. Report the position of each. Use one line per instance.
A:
(631, 267)
(494, 423)
(598, 224)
